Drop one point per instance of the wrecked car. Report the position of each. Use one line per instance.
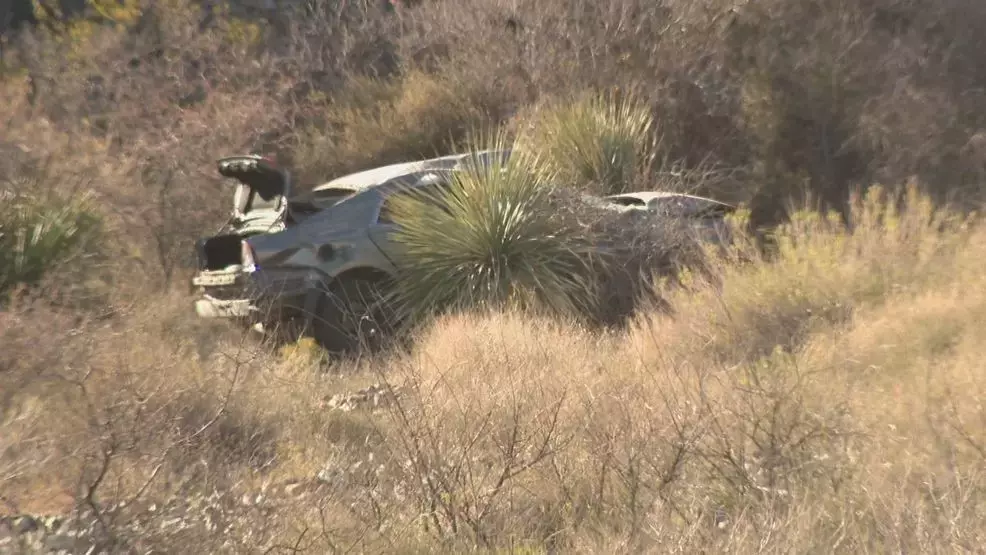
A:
(318, 262)
(321, 261)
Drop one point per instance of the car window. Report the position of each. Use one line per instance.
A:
(430, 191)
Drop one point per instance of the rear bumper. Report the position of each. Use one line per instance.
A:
(250, 296)
(209, 307)
(218, 279)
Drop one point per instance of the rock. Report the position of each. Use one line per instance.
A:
(26, 524)
(45, 534)
(18, 525)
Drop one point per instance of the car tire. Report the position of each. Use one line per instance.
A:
(352, 317)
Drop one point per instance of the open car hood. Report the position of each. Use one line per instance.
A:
(679, 204)
(261, 175)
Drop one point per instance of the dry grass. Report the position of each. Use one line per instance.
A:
(825, 396)
(595, 144)
(701, 431)
(384, 122)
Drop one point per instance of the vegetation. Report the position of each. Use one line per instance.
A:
(595, 143)
(39, 234)
(817, 386)
(489, 241)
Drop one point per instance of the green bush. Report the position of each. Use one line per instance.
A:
(490, 241)
(514, 234)
(598, 143)
(39, 233)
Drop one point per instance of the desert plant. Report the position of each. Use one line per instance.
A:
(39, 233)
(634, 251)
(488, 241)
(598, 142)
(383, 121)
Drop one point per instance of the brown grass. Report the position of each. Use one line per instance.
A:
(826, 395)
(830, 395)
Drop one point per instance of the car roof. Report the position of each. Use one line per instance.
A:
(377, 176)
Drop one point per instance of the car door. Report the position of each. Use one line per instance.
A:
(431, 184)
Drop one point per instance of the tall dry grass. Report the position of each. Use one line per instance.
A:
(825, 398)
(807, 402)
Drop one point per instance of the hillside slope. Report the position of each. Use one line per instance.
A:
(818, 386)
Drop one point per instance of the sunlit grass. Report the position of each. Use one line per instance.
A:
(597, 143)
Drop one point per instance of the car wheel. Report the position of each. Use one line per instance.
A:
(352, 317)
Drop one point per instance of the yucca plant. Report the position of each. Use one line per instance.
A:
(598, 143)
(489, 241)
(38, 233)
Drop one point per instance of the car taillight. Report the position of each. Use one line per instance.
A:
(246, 255)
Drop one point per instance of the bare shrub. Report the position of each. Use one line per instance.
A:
(143, 439)
(635, 250)
(663, 443)
(503, 430)
(383, 122)
(805, 96)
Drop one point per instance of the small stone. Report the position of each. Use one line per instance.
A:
(721, 519)
(25, 524)
(290, 489)
(53, 523)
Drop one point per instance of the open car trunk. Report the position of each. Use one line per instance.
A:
(260, 205)
(219, 252)
(262, 186)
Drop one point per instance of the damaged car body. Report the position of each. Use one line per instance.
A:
(318, 262)
(707, 217)
(321, 263)
(261, 205)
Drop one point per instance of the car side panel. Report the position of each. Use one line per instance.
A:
(355, 247)
(311, 254)
(380, 234)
